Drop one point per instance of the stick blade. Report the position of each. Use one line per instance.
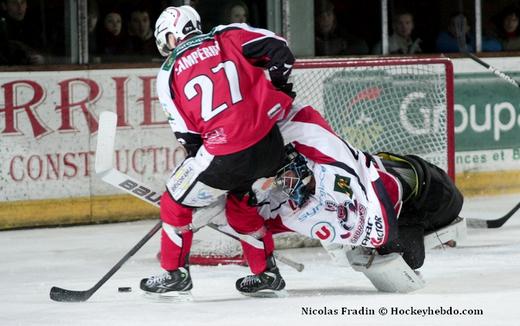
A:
(63, 295)
(476, 223)
(492, 224)
(105, 141)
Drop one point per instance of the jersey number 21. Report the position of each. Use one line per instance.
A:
(206, 89)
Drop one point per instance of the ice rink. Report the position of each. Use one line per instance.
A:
(481, 273)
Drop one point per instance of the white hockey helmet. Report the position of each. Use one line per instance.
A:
(179, 21)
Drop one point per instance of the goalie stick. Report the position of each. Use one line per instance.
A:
(492, 224)
(105, 169)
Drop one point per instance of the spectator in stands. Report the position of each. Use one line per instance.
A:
(509, 33)
(447, 41)
(142, 42)
(329, 40)
(92, 22)
(402, 40)
(236, 12)
(113, 39)
(23, 38)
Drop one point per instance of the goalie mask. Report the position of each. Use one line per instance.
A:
(294, 177)
(179, 21)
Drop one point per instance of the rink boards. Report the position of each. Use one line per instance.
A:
(48, 133)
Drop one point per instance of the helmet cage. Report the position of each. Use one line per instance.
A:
(293, 178)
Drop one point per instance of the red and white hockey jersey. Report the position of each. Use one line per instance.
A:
(354, 202)
(214, 86)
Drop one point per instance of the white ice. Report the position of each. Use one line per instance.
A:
(483, 273)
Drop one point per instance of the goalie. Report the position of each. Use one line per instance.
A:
(331, 191)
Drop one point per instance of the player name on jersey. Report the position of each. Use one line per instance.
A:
(198, 55)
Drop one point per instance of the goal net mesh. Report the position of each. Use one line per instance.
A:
(399, 106)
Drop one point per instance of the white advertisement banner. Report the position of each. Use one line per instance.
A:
(48, 131)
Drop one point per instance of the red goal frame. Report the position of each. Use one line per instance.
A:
(399, 61)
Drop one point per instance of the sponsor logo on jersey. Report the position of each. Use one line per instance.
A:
(368, 230)
(380, 233)
(361, 212)
(321, 194)
(359, 229)
(331, 206)
(215, 137)
(323, 231)
(309, 213)
(342, 185)
(343, 216)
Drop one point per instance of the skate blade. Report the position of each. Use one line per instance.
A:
(267, 294)
(172, 296)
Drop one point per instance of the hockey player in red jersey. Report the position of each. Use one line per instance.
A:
(223, 110)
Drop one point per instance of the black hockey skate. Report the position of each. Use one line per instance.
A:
(176, 284)
(267, 284)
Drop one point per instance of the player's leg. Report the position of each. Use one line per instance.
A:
(431, 202)
(441, 199)
(184, 191)
(176, 240)
(244, 219)
(198, 182)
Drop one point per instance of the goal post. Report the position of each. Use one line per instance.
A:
(401, 105)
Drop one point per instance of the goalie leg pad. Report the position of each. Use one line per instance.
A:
(337, 253)
(388, 273)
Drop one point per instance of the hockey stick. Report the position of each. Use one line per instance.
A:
(492, 224)
(103, 164)
(63, 295)
(460, 22)
(104, 168)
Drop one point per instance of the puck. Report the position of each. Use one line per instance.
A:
(124, 289)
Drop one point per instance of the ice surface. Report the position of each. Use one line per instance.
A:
(483, 272)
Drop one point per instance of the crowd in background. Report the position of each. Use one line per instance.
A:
(33, 32)
(348, 28)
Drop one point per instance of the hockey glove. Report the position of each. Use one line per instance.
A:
(287, 89)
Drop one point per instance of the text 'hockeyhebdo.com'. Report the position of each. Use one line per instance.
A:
(391, 311)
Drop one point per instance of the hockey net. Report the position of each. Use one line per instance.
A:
(400, 105)
(403, 106)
